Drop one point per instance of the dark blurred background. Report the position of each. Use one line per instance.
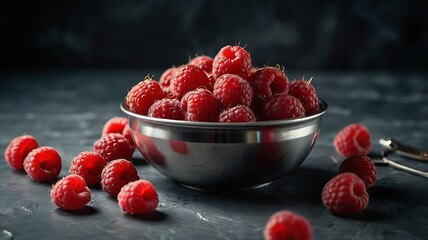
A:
(320, 35)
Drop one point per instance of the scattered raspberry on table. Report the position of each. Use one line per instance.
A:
(113, 146)
(88, 165)
(353, 139)
(114, 125)
(345, 194)
(128, 136)
(138, 197)
(18, 149)
(362, 166)
(287, 225)
(43, 164)
(116, 174)
(71, 193)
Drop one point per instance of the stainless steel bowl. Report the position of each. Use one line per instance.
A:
(211, 156)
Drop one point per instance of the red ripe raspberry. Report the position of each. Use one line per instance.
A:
(231, 90)
(252, 72)
(71, 193)
(113, 146)
(88, 165)
(345, 194)
(117, 174)
(203, 62)
(188, 78)
(115, 125)
(200, 105)
(212, 80)
(18, 149)
(43, 164)
(287, 225)
(257, 105)
(143, 95)
(167, 108)
(282, 106)
(128, 136)
(238, 113)
(268, 81)
(165, 80)
(307, 95)
(233, 60)
(352, 140)
(138, 197)
(362, 166)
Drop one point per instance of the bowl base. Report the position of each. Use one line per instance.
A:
(219, 189)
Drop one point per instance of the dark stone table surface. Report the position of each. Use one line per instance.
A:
(67, 109)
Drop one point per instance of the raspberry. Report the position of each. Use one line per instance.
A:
(238, 113)
(345, 194)
(233, 60)
(307, 95)
(138, 197)
(362, 166)
(252, 72)
(282, 106)
(165, 80)
(211, 79)
(200, 105)
(268, 81)
(352, 140)
(143, 95)
(257, 105)
(116, 174)
(167, 108)
(128, 136)
(43, 164)
(71, 193)
(89, 166)
(287, 225)
(231, 90)
(114, 125)
(113, 146)
(18, 149)
(188, 78)
(203, 62)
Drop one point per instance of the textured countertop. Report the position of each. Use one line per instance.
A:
(67, 110)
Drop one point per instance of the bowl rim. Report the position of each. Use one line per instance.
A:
(184, 123)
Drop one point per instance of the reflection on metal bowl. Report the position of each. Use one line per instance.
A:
(210, 155)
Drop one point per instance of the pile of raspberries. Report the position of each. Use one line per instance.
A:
(226, 88)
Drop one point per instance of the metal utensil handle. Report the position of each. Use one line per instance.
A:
(404, 150)
(405, 168)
